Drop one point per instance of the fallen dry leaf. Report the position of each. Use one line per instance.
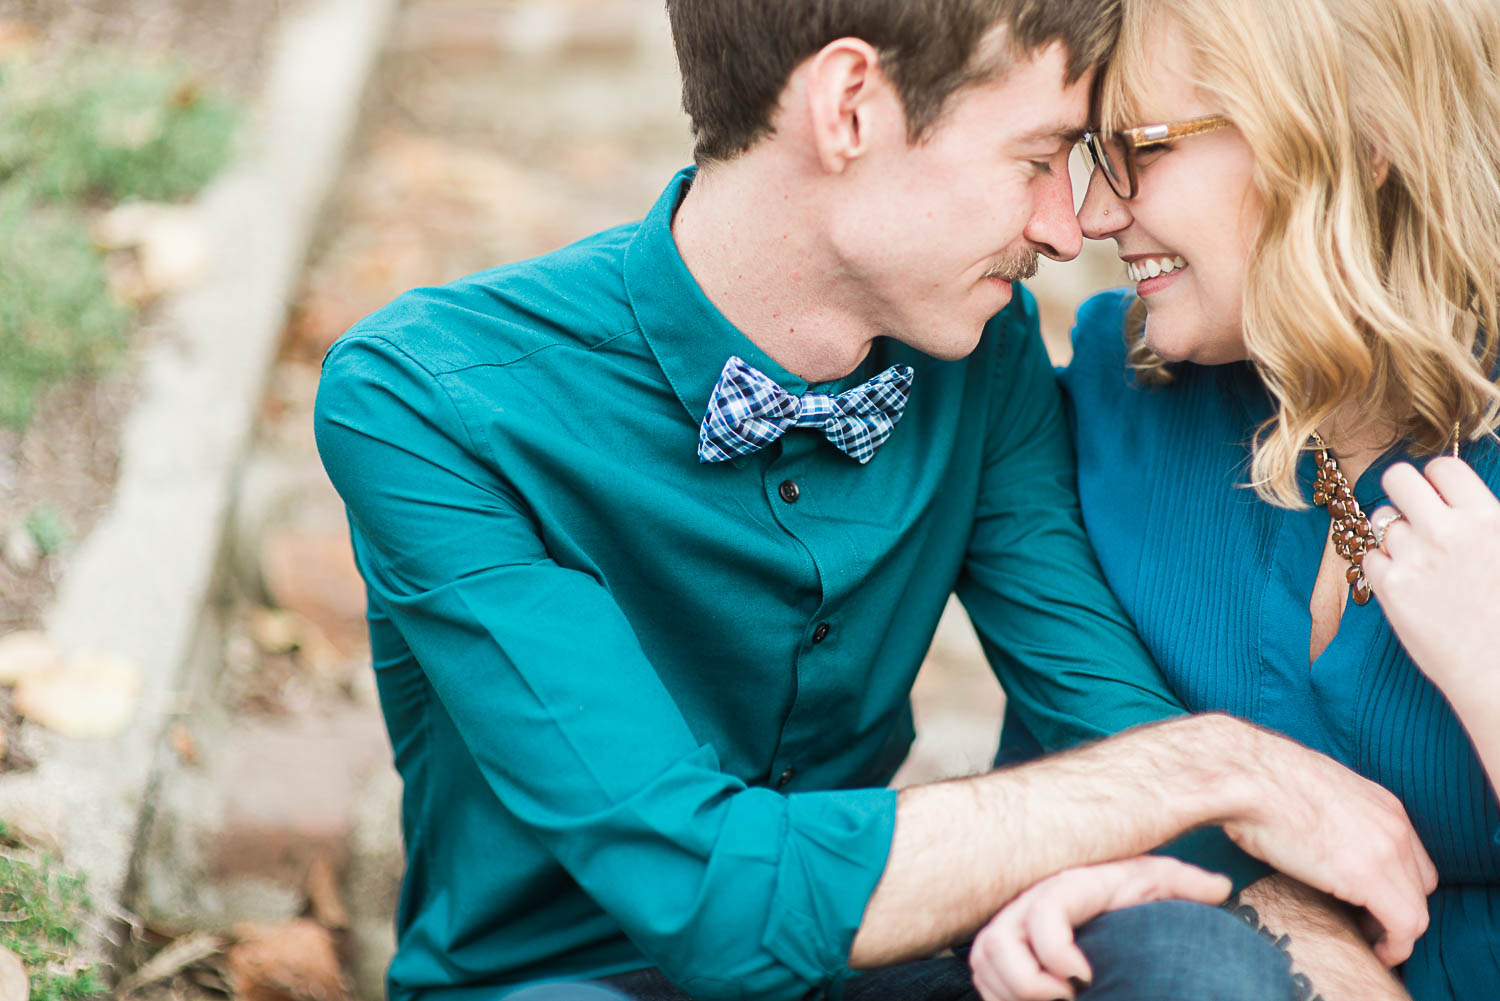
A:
(324, 895)
(17, 38)
(93, 696)
(20, 551)
(169, 240)
(275, 630)
(313, 574)
(15, 985)
(183, 745)
(27, 653)
(295, 961)
(170, 961)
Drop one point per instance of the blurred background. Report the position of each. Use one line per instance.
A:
(187, 656)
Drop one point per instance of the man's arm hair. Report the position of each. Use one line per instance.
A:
(1331, 961)
(963, 848)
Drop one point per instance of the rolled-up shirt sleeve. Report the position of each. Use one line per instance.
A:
(733, 891)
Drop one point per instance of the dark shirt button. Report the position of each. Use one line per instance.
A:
(821, 633)
(786, 777)
(789, 491)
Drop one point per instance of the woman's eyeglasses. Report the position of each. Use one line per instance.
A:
(1116, 153)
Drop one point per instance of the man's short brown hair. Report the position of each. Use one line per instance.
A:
(736, 55)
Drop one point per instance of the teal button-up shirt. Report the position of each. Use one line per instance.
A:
(625, 735)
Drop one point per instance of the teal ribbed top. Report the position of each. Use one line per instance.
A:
(1218, 583)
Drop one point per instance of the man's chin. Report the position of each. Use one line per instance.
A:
(1002, 288)
(956, 349)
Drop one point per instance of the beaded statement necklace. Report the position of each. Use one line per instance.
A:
(1351, 533)
(1350, 527)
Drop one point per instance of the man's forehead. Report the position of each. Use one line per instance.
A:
(1043, 105)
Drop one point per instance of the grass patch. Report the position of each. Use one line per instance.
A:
(48, 528)
(57, 315)
(105, 125)
(78, 135)
(45, 908)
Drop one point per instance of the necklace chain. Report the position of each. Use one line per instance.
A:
(1349, 527)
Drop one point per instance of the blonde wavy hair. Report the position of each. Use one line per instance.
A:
(1383, 294)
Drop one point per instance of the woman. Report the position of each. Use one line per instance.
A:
(1314, 238)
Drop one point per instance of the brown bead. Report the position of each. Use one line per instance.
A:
(1336, 507)
(1361, 592)
(1352, 574)
(1357, 557)
(1323, 457)
(1319, 498)
(1363, 526)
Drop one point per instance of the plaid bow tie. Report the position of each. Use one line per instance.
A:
(748, 411)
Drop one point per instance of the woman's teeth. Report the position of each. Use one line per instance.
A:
(1150, 267)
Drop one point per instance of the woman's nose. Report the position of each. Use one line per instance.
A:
(1103, 213)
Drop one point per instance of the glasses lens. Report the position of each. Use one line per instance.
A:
(1111, 154)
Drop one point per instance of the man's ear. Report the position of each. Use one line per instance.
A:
(844, 82)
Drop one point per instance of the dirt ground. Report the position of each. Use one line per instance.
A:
(222, 39)
(65, 462)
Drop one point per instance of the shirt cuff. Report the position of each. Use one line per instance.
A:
(836, 850)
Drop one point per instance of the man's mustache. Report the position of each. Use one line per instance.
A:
(1017, 267)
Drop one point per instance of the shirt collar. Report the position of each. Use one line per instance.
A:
(689, 336)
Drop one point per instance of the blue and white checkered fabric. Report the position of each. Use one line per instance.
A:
(748, 411)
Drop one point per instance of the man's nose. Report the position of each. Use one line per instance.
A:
(1103, 213)
(1053, 228)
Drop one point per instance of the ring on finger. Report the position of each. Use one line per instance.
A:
(1382, 522)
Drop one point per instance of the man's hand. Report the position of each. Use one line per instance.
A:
(962, 849)
(1320, 823)
(1027, 952)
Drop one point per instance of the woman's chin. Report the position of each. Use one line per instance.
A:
(1168, 349)
(1189, 346)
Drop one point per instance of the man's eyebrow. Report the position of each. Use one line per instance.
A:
(1067, 132)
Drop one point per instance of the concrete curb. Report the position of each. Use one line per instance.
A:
(139, 585)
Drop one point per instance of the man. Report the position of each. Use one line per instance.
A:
(657, 530)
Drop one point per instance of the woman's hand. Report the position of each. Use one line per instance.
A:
(1437, 574)
(1438, 579)
(1027, 952)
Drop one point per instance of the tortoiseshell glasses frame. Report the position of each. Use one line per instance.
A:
(1116, 152)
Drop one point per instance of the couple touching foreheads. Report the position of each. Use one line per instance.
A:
(657, 528)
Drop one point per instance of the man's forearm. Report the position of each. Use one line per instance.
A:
(963, 848)
(1330, 957)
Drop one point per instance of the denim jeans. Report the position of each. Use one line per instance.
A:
(1168, 951)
